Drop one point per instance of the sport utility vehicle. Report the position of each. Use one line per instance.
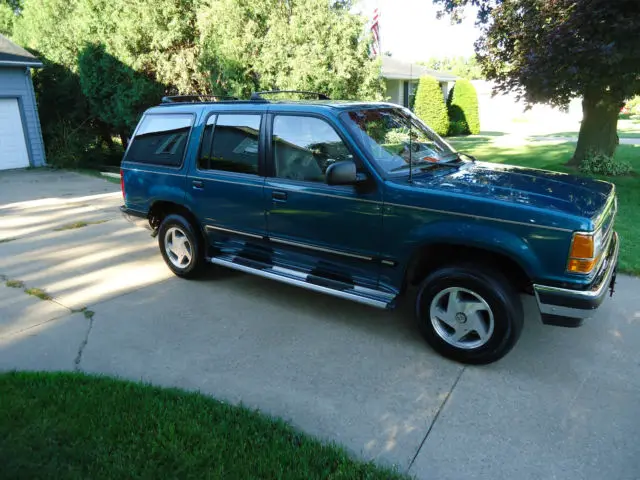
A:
(363, 201)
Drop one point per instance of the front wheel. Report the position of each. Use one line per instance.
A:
(469, 313)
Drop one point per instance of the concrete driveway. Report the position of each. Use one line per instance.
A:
(563, 404)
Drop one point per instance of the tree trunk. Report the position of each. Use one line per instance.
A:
(599, 128)
(105, 135)
(124, 139)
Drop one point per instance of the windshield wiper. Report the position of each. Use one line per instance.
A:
(422, 165)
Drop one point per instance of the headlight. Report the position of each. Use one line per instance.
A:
(585, 252)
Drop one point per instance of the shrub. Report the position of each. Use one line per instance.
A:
(430, 106)
(458, 127)
(600, 164)
(463, 106)
(634, 105)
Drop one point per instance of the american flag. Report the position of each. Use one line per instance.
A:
(375, 30)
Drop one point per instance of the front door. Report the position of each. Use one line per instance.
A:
(226, 185)
(333, 231)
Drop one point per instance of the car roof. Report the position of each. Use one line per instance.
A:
(262, 106)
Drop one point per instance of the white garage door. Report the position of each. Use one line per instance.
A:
(13, 149)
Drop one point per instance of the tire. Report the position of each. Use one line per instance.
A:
(181, 246)
(469, 313)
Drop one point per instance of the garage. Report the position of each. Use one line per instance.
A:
(21, 143)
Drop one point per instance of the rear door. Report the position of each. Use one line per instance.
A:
(225, 184)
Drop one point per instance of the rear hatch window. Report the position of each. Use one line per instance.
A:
(161, 140)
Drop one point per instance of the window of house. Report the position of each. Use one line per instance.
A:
(231, 144)
(161, 140)
(304, 147)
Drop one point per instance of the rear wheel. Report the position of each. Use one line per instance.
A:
(469, 313)
(181, 246)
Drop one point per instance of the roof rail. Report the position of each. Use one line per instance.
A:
(196, 98)
(258, 95)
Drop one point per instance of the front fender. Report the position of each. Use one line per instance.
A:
(512, 243)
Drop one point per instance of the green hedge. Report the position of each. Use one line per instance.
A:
(463, 109)
(430, 106)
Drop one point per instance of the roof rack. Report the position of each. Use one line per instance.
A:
(196, 98)
(258, 95)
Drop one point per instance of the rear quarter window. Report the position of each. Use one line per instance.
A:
(161, 140)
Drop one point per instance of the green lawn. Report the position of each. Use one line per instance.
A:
(66, 425)
(627, 128)
(552, 156)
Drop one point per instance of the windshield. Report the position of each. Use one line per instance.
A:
(392, 136)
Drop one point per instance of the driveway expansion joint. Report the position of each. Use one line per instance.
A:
(435, 417)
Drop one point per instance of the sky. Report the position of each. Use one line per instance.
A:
(410, 31)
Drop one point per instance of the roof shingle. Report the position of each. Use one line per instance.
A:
(14, 55)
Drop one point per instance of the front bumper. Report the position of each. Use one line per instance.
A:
(569, 308)
(137, 218)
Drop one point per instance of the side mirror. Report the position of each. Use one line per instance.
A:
(343, 173)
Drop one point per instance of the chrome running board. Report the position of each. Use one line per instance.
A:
(367, 296)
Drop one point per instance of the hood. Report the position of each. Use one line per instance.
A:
(546, 190)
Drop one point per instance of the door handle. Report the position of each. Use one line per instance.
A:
(198, 184)
(279, 196)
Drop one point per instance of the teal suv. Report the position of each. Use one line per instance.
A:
(363, 201)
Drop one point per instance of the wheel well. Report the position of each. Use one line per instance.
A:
(434, 256)
(160, 209)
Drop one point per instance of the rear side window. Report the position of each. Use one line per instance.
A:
(232, 144)
(161, 140)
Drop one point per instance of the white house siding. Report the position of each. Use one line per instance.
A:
(394, 91)
(16, 83)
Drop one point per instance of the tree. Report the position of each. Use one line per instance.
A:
(463, 106)
(9, 11)
(550, 51)
(298, 45)
(465, 67)
(116, 94)
(430, 106)
(318, 45)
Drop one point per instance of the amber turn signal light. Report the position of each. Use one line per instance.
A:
(582, 246)
(582, 256)
(581, 266)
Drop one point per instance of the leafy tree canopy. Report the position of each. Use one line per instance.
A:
(116, 94)
(302, 44)
(465, 67)
(9, 11)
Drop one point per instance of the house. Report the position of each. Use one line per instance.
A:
(20, 135)
(401, 79)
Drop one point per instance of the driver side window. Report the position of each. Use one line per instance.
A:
(304, 147)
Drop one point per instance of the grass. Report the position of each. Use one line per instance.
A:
(69, 425)
(552, 156)
(627, 128)
(74, 225)
(37, 292)
(621, 134)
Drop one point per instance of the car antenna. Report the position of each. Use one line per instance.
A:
(410, 127)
